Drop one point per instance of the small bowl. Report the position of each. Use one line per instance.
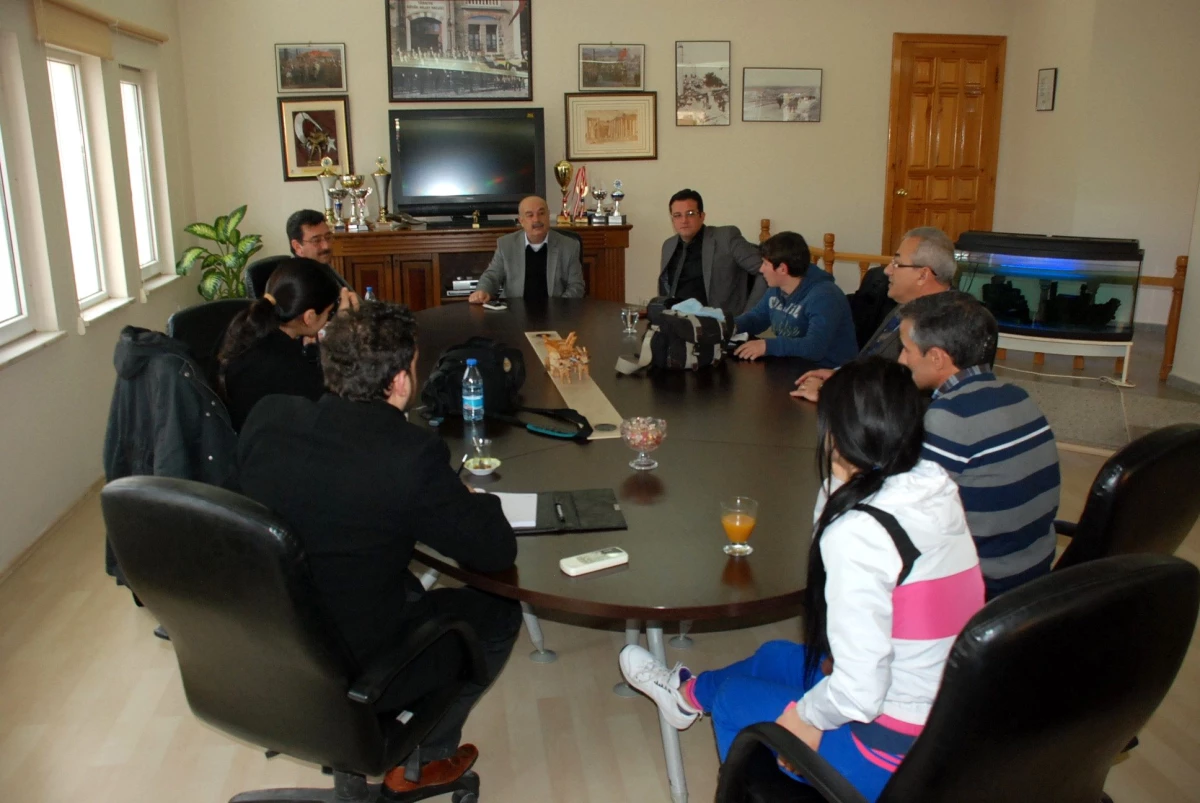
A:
(482, 466)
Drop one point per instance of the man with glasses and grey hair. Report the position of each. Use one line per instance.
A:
(989, 435)
(712, 264)
(923, 265)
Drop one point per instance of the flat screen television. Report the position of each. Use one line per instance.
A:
(457, 161)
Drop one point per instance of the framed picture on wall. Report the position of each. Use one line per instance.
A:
(310, 129)
(1047, 87)
(612, 68)
(310, 69)
(611, 127)
(702, 83)
(781, 95)
(458, 50)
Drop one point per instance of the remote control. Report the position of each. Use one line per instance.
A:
(594, 561)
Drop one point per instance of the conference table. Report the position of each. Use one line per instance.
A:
(731, 429)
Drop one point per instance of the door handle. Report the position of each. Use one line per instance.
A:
(903, 193)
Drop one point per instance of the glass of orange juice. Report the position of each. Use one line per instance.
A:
(738, 516)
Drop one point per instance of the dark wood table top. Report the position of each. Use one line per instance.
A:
(731, 430)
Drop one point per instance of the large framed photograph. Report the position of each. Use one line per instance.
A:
(310, 129)
(611, 127)
(459, 50)
(612, 68)
(702, 83)
(310, 69)
(781, 95)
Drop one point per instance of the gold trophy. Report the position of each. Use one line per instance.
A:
(562, 174)
(328, 180)
(382, 178)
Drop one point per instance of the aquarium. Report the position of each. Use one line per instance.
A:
(1076, 288)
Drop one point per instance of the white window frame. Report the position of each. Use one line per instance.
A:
(133, 77)
(66, 57)
(23, 324)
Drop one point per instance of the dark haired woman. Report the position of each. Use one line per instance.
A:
(264, 348)
(880, 618)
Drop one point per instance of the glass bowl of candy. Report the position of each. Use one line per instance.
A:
(643, 435)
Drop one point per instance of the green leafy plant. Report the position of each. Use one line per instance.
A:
(220, 270)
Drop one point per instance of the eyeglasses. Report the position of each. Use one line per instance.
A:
(320, 238)
(896, 264)
(688, 214)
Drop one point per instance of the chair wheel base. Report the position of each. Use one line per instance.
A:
(682, 642)
(463, 790)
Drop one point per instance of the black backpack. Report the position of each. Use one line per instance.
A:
(502, 369)
(503, 372)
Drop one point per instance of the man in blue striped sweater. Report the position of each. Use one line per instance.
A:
(989, 435)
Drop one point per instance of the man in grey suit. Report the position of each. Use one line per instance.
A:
(534, 263)
(713, 264)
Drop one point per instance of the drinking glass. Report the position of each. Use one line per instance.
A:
(643, 435)
(739, 514)
(629, 319)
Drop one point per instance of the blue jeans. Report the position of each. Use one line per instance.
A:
(758, 688)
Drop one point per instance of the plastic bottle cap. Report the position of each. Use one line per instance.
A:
(472, 361)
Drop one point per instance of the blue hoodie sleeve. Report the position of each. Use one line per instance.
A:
(823, 313)
(757, 320)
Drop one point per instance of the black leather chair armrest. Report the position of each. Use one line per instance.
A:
(1066, 528)
(371, 684)
(816, 771)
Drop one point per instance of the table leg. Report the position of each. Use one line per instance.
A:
(540, 655)
(633, 632)
(683, 641)
(670, 736)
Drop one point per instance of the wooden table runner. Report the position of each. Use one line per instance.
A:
(580, 394)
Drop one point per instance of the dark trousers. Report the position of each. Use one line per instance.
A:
(496, 622)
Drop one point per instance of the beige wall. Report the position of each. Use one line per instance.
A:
(1119, 155)
(809, 177)
(1187, 354)
(55, 401)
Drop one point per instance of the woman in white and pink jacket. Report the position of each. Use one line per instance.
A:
(893, 576)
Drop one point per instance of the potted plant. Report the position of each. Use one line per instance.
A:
(221, 270)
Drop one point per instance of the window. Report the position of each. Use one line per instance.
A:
(138, 151)
(71, 132)
(14, 311)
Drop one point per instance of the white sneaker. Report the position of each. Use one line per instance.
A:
(652, 678)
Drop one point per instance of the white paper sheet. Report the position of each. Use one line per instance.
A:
(519, 509)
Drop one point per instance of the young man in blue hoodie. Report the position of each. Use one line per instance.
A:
(810, 316)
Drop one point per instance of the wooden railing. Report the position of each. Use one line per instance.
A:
(827, 256)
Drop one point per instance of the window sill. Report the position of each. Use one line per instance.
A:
(156, 283)
(98, 311)
(22, 347)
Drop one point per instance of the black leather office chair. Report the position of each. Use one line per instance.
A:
(257, 273)
(202, 328)
(574, 235)
(1043, 688)
(256, 654)
(1142, 499)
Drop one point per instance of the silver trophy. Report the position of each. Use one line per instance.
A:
(616, 218)
(338, 195)
(328, 180)
(382, 178)
(599, 193)
(353, 184)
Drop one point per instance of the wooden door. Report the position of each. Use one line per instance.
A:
(944, 133)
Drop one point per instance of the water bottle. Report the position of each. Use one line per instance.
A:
(370, 294)
(472, 392)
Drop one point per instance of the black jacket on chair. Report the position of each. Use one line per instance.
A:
(165, 420)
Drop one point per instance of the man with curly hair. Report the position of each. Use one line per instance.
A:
(360, 486)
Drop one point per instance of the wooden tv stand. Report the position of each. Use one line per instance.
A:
(417, 266)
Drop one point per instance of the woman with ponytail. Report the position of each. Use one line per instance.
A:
(893, 576)
(264, 348)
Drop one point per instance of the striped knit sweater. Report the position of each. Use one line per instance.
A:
(996, 444)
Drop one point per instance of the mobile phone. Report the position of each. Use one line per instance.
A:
(594, 561)
(499, 306)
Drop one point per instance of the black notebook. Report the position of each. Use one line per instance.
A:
(576, 511)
